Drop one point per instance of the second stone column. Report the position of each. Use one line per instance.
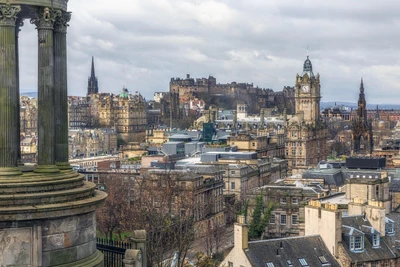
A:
(44, 20)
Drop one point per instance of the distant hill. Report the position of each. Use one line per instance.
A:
(354, 105)
(30, 94)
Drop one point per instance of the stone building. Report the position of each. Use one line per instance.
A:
(287, 216)
(79, 115)
(306, 134)
(28, 115)
(265, 143)
(366, 239)
(131, 113)
(290, 251)
(92, 142)
(198, 193)
(125, 112)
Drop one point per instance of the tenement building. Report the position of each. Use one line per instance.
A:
(306, 134)
(125, 112)
(47, 211)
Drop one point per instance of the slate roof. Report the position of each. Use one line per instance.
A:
(277, 252)
(369, 253)
(391, 240)
(395, 185)
(330, 176)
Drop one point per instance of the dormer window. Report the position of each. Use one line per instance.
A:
(356, 243)
(376, 240)
(389, 227)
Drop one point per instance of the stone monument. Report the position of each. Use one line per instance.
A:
(47, 213)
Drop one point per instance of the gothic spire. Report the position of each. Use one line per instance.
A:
(92, 81)
(92, 71)
(362, 86)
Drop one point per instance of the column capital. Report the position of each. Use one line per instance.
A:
(44, 18)
(8, 14)
(61, 22)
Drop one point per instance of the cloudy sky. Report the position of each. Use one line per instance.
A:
(141, 44)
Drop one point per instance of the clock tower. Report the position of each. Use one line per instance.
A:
(305, 134)
(308, 94)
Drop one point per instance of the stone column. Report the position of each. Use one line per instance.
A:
(44, 19)
(61, 90)
(9, 99)
(19, 24)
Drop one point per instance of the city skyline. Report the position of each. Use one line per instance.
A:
(142, 44)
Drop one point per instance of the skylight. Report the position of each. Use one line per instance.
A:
(269, 264)
(303, 262)
(322, 259)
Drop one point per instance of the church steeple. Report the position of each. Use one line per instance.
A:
(362, 105)
(362, 127)
(92, 81)
(92, 72)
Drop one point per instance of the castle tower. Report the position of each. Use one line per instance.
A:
(363, 141)
(308, 94)
(93, 86)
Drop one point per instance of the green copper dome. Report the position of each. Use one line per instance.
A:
(124, 94)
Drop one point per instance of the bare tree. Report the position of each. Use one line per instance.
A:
(164, 206)
(115, 216)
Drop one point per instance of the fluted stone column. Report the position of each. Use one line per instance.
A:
(61, 90)
(44, 20)
(9, 135)
(18, 24)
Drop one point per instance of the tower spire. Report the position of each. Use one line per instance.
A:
(92, 70)
(92, 81)
(362, 86)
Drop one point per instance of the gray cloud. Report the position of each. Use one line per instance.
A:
(142, 44)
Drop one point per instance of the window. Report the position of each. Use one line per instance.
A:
(269, 264)
(253, 144)
(295, 219)
(289, 263)
(272, 219)
(322, 259)
(233, 172)
(389, 226)
(375, 240)
(356, 243)
(233, 185)
(303, 262)
(294, 200)
(283, 200)
(230, 264)
(283, 219)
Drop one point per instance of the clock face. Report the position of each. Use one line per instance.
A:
(305, 88)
